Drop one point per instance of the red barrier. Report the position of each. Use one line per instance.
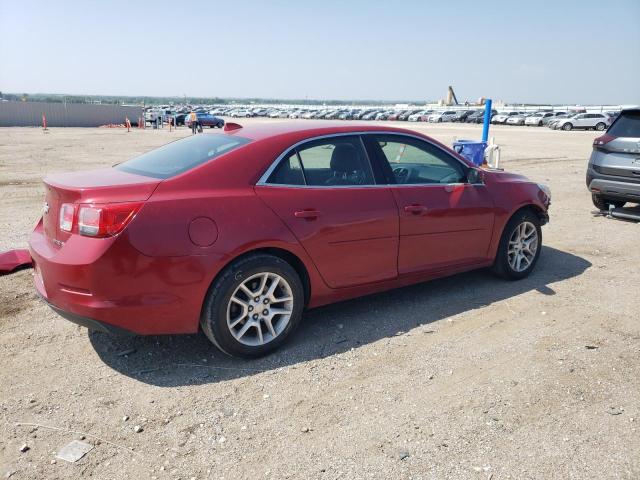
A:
(44, 121)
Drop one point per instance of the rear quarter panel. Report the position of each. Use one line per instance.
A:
(222, 191)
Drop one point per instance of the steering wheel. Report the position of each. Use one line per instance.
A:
(401, 174)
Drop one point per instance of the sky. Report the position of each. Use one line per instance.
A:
(560, 51)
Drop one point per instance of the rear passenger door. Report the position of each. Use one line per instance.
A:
(324, 191)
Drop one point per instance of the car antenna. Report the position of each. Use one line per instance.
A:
(228, 127)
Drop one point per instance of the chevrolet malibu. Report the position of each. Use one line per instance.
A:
(236, 233)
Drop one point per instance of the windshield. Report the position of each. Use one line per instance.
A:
(182, 155)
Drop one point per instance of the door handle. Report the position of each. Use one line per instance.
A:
(307, 214)
(415, 209)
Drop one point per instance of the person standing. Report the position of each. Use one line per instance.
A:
(193, 118)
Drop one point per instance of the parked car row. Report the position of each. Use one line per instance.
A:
(556, 120)
(588, 121)
(553, 119)
(411, 115)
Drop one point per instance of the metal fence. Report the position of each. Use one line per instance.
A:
(29, 114)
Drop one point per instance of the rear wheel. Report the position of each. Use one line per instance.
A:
(602, 203)
(253, 307)
(520, 246)
(567, 126)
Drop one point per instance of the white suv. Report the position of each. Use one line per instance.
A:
(598, 121)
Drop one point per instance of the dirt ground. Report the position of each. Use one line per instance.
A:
(468, 377)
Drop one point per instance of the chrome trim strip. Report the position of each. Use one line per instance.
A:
(263, 179)
(382, 185)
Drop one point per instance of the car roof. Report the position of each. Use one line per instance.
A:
(309, 129)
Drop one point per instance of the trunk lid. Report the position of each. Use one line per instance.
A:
(106, 185)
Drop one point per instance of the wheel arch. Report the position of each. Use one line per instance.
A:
(538, 211)
(535, 209)
(284, 254)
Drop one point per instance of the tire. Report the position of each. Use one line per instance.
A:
(566, 127)
(219, 311)
(602, 203)
(539, 124)
(600, 126)
(506, 264)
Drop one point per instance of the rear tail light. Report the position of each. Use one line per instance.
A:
(67, 212)
(105, 220)
(603, 140)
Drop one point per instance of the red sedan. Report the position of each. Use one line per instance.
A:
(237, 232)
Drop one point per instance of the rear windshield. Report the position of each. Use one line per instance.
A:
(182, 155)
(626, 125)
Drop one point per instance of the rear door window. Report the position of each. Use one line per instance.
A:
(288, 171)
(626, 125)
(177, 157)
(335, 161)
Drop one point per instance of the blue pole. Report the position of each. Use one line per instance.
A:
(487, 120)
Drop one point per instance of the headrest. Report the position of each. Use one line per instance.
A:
(344, 158)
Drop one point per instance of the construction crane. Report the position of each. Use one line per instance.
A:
(451, 97)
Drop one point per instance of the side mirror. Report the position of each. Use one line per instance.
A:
(475, 175)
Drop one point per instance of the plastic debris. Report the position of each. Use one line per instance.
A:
(74, 451)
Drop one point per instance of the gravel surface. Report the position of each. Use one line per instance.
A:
(468, 377)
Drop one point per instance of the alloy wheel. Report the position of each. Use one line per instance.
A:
(260, 309)
(523, 246)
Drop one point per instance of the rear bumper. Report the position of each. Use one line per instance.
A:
(90, 323)
(107, 285)
(613, 189)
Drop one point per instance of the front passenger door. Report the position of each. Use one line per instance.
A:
(580, 120)
(444, 221)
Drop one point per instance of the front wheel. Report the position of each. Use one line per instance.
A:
(600, 126)
(520, 246)
(567, 127)
(253, 307)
